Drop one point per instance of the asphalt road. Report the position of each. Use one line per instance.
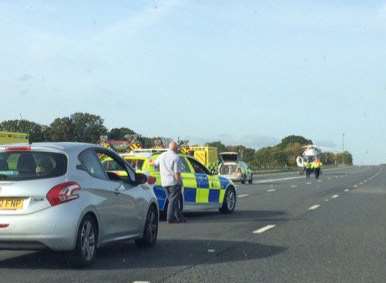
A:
(283, 231)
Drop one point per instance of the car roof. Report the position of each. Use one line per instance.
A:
(147, 155)
(55, 146)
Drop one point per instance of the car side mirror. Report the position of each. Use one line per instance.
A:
(140, 178)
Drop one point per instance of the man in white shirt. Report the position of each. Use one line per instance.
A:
(170, 171)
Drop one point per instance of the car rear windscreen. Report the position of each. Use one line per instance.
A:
(226, 169)
(30, 165)
(229, 157)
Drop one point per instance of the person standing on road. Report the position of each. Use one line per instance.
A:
(317, 167)
(170, 171)
(308, 168)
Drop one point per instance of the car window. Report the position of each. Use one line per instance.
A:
(198, 167)
(29, 165)
(137, 164)
(184, 167)
(116, 165)
(91, 163)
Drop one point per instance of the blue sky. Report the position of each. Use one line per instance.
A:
(244, 71)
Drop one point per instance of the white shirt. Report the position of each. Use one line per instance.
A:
(169, 164)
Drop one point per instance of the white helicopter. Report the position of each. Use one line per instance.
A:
(311, 152)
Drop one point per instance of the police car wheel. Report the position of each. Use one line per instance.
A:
(150, 233)
(229, 203)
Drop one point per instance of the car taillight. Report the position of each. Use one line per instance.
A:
(64, 192)
(151, 180)
(17, 148)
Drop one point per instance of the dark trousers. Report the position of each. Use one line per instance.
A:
(174, 210)
(308, 173)
(317, 173)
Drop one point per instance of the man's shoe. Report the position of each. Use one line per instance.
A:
(182, 220)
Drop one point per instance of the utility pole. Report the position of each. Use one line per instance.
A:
(343, 145)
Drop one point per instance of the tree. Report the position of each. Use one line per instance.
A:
(220, 146)
(294, 139)
(344, 158)
(79, 127)
(36, 132)
(119, 133)
(62, 129)
(87, 127)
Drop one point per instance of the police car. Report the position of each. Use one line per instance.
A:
(201, 189)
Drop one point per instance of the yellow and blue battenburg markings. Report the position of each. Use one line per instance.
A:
(198, 189)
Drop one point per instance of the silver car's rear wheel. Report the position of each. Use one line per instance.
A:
(87, 240)
(150, 233)
(85, 251)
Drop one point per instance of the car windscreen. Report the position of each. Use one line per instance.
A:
(20, 166)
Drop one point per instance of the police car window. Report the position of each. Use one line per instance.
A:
(91, 163)
(198, 168)
(183, 165)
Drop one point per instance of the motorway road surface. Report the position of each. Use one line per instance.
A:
(283, 231)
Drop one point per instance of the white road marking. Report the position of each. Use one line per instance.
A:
(355, 186)
(271, 190)
(335, 196)
(141, 281)
(277, 180)
(293, 186)
(346, 190)
(211, 251)
(242, 196)
(326, 200)
(316, 206)
(264, 229)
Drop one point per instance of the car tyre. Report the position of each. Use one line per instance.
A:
(150, 232)
(229, 203)
(86, 243)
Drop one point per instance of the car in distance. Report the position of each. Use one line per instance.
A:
(234, 169)
(201, 189)
(58, 196)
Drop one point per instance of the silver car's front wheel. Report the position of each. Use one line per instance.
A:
(150, 233)
(85, 251)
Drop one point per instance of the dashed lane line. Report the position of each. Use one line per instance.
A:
(335, 196)
(271, 190)
(277, 180)
(242, 196)
(264, 229)
(316, 206)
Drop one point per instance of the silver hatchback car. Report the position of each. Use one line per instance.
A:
(60, 196)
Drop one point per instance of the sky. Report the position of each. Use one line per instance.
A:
(245, 72)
